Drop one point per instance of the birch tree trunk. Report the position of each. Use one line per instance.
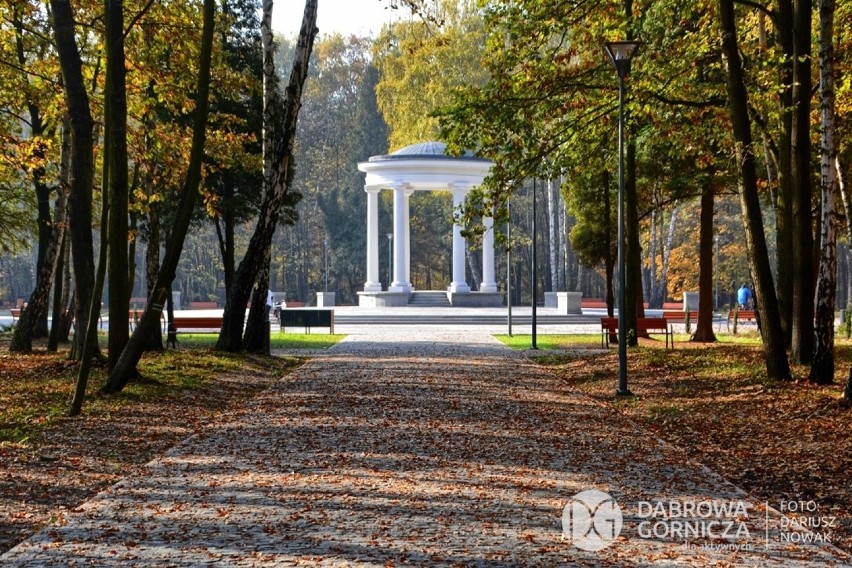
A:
(667, 253)
(59, 290)
(822, 367)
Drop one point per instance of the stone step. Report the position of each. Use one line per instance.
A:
(429, 299)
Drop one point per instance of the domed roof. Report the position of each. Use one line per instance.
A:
(424, 151)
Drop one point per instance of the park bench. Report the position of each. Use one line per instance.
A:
(136, 315)
(197, 322)
(679, 316)
(203, 305)
(592, 303)
(609, 326)
(741, 315)
(673, 306)
(307, 318)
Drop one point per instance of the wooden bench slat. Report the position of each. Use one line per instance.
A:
(197, 322)
(307, 317)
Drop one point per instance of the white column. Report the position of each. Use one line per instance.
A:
(489, 284)
(459, 283)
(373, 283)
(408, 193)
(400, 241)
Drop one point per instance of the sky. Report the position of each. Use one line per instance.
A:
(362, 17)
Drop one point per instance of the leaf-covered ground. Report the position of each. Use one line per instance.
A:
(50, 463)
(778, 441)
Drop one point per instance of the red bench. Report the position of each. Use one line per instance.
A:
(645, 326)
(679, 316)
(203, 305)
(741, 315)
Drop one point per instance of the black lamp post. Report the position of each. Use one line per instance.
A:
(620, 53)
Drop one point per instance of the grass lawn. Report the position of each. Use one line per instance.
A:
(777, 440)
(277, 340)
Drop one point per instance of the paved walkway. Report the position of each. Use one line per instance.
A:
(404, 447)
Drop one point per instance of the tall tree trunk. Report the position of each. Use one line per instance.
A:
(80, 196)
(115, 135)
(91, 342)
(704, 328)
(777, 365)
(58, 297)
(667, 254)
(152, 265)
(634, 299)
(270, 88)
(609, 260)
(126, 365)
(258, 249)
(784, 213)
(22, 337)
(844, 194)
(822, 368)
(225, 234)
(651, 272)
(802, 342)
(254, 340)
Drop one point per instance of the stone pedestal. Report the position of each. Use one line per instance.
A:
(569, 302)
(690, 301)
(550, 300)
(175, 299)
(325, 299)
(383, 299)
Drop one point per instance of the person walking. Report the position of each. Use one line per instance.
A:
(744, 297)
